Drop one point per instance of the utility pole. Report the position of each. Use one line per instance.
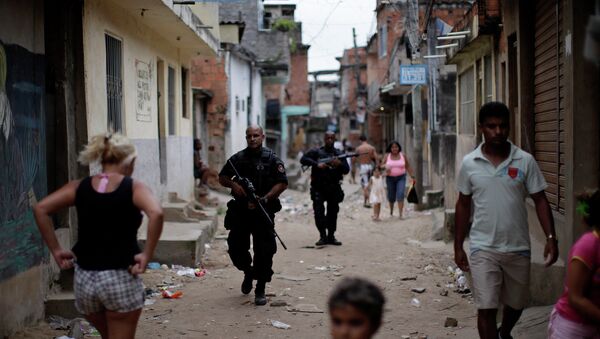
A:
(357, 75)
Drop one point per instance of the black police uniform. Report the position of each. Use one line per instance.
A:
(264, 169)
(325, 186)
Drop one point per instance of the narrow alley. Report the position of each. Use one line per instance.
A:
(392, 253)
(480, 117)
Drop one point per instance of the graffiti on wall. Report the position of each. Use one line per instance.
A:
(22, 157)
(143, 108)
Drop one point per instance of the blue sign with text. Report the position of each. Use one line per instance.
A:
(413, 74)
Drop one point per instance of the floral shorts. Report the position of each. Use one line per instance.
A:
(112, 290)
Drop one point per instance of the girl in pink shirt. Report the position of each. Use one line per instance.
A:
(577, 312)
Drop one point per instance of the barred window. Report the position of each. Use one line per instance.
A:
(184, 91)
(171, 98)
(467, 102)
(114, 83)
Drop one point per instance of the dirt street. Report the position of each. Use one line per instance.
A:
(385, 252)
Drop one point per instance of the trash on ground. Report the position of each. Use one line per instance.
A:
(279, 324)
(64, 337)
(462, 284)
(418, 289)
(429, 267)
(164, 266)
(149, 302)
(187, 272)
(200, 272)
(414, 277)
(278, 303)
(450, 322)
(305, 308)
(444, 293)
(153, 265)
(328, 268)
(415, 302)
(292, 278)
(58, 323)
(76, 330)
(171, 295)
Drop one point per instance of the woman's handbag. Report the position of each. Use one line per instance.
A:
(412, 196)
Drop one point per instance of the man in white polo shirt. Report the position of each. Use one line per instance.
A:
(495, 179)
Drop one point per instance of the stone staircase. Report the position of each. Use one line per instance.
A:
(188, 226)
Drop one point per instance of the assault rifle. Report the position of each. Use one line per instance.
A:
(329, 159)
(248, 187)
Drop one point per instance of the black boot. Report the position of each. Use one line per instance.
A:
(247, 283)
(259, 293)
(322, 240)
(333, 241)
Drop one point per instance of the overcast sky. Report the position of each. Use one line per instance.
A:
(327, 27)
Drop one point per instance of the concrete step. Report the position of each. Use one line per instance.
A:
(203, 213)
(187, 212)
(174, 212)
(62, 304)
(181, 243)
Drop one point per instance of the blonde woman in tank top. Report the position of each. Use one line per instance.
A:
(106, 257)
(396, 166)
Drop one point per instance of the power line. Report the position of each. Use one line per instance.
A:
(326, 20)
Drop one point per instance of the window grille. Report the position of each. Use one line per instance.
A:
(114, 83)
(184, 91)
(487, 74)
(467, 102)
(171, 98)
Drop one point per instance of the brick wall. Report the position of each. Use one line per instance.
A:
(349, 94)
(209, 74)
(297, 89)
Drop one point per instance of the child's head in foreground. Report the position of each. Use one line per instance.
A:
(355, 309)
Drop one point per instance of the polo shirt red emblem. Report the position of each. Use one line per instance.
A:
(513, 172)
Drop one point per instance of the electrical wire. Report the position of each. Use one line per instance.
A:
(326, 20)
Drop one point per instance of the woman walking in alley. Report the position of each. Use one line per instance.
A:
(396, 165)
(107, 259)
(577, 312)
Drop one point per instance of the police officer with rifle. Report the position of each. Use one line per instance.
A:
(325, 187)
(256, 177)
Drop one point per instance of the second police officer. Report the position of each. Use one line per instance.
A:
(244, 218)
(325, 187)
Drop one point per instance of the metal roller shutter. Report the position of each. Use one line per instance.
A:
(549, 99)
